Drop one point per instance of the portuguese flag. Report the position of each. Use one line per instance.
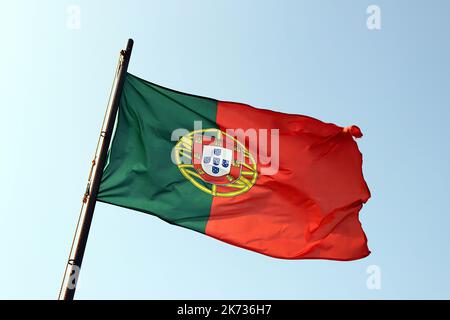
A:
(287, 186)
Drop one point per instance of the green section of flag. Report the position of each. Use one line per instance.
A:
(139, 173)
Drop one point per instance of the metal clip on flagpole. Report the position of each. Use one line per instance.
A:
(69, 282)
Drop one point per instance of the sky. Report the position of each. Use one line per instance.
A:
(316, 58)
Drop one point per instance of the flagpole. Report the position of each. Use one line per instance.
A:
(71, 273)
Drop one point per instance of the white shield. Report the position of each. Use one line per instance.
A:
(216, 161)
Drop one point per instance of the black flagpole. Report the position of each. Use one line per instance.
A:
(68, 286)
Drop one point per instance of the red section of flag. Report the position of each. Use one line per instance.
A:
(310, 207)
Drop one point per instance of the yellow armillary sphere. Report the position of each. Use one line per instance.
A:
(215, 162)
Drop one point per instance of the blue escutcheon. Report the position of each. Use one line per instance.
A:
(225, 163)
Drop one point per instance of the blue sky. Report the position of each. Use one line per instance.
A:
(316, 58)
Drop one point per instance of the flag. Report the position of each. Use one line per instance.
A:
(287, 186)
